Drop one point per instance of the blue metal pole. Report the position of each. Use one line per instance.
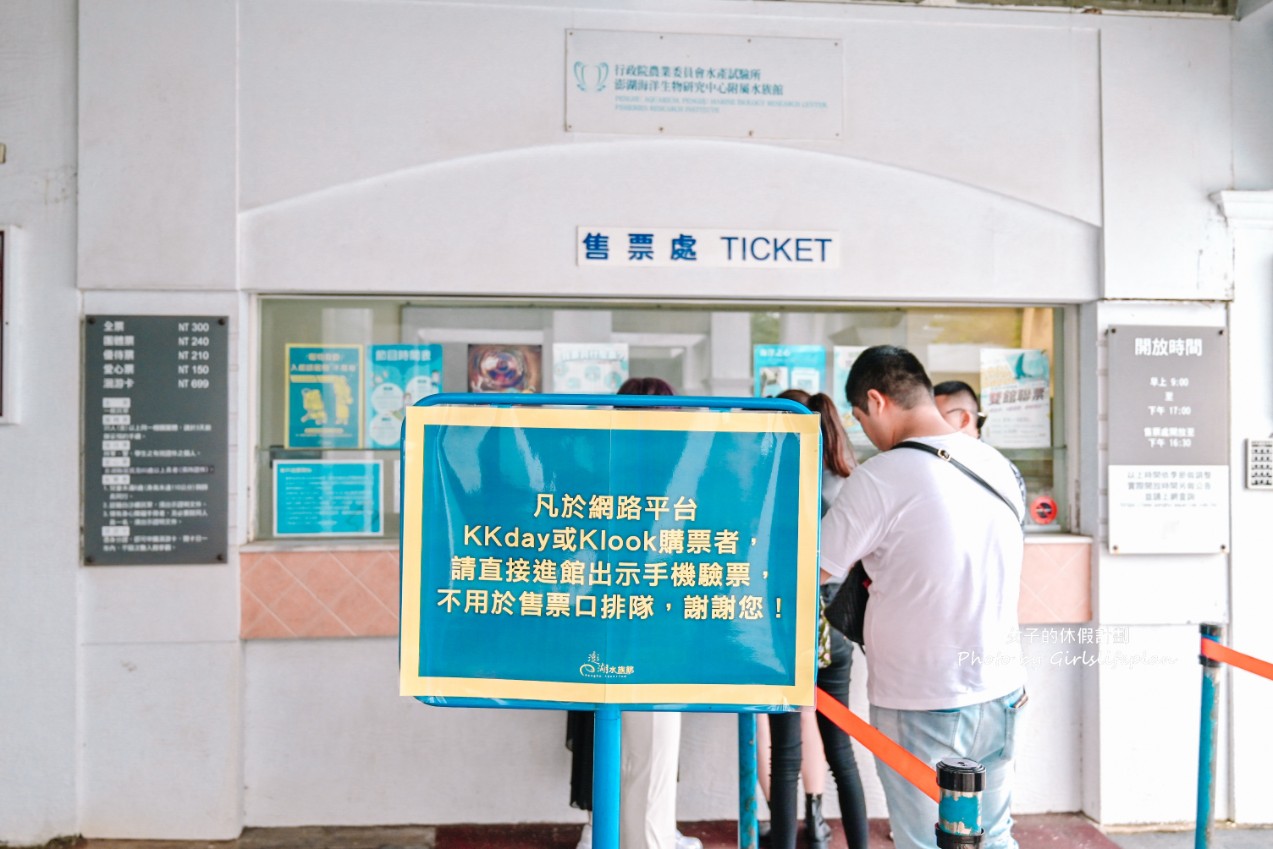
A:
(747, 829)
(961, 782)
(606, 754)
(1207, 742)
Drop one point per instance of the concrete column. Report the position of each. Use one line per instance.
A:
(1250, 218)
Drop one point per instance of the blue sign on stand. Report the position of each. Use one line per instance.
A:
(648, 558)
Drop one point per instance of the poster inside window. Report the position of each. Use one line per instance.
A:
(337, 375)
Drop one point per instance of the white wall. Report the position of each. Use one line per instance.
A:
(959, 176)
(329, 743)
(1167, 129)
(1251, 217)
(161, 679)
(455, 228)
(39, 464)
(1010, 104)
(157, 144)
(160, 682)
(1252, 107)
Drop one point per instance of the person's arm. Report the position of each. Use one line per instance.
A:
(1016, 473)
(852, 526)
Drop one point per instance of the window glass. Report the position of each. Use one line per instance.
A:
(336, 374)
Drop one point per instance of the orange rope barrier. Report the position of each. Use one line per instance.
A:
(903, 762)
(1217, 651)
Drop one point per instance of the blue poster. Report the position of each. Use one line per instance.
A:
(324, 396)
(843, 357)
(398, 376)
(778, 368)
(637, 556)
(328, 498)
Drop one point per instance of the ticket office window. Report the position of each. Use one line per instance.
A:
(336, 374)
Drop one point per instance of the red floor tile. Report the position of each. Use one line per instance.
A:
(1047, 831)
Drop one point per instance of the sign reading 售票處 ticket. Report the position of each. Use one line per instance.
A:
(642, 557)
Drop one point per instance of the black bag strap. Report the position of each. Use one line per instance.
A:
(943, 454)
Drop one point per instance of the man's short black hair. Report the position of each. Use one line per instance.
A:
(891, 371)
(958, 387)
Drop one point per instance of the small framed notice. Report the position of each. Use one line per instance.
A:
(328, 498)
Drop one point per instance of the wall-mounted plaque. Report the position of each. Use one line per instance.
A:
(1168, 440)
(155, 440)
(691, 84)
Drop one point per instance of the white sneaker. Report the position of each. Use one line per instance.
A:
(683, 842)
(585, 837)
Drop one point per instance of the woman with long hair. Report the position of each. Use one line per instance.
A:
(838, 463)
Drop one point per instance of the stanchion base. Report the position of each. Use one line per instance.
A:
(946, 840)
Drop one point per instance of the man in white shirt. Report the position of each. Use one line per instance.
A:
(944, 556)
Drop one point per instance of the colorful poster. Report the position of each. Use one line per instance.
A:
(589, 368)
(778, 368)
(505, 368)
(576, 556)
(843, 357)
(398, 376)
(324, 392)
(328, 498)
(1016, 398)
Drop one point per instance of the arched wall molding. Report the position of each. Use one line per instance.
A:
(505, 224)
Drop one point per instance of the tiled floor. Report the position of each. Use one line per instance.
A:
(1047, 831)
(1222, 838)
(1063, 831)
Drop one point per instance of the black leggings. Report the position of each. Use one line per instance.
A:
(784, 733)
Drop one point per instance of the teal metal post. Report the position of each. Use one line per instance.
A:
(1207, 742)
(959, 808)
(606, 754)
(747, 836)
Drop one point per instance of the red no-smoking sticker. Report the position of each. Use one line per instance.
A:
(1043, 509)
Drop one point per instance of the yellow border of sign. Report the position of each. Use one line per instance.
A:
(287, 390)
(412, 684)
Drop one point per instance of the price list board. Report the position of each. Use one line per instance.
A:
(155, 440)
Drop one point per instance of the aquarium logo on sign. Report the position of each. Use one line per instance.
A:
(591, 78)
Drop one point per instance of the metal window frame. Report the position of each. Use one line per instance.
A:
(8, 369)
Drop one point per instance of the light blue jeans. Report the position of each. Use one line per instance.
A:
(983, 733)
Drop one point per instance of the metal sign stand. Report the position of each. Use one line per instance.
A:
(748, 836)
(607, 758)
(607, 721)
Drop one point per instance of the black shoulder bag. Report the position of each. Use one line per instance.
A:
(846, 612)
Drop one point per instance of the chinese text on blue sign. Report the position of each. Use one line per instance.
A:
(586, 556)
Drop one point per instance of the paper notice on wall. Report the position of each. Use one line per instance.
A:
(842, 359)
(324, 396)
(1016, 397)
(328, 498)
(399, 375)
(505, 368)
(777, 368)
(589, 368)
